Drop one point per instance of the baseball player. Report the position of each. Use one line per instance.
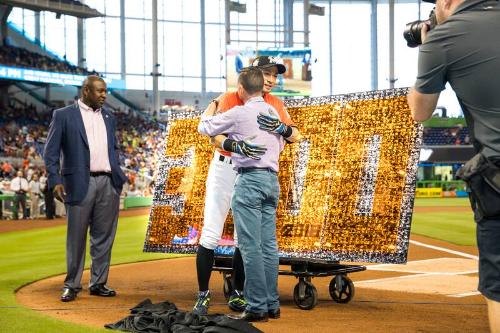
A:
(221, 178)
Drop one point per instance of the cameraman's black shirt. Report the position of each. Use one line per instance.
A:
(465, 51)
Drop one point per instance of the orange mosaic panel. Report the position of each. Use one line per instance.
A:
(347, 187)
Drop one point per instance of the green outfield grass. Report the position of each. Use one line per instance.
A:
(454, 227)
(457, 228)
(442, 202)
(27, 256)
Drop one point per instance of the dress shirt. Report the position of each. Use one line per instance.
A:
(34, 186)
(18, 184)
(97, 137)
(240, 123)
(43, 183)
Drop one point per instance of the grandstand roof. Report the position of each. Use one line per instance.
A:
(66, 7)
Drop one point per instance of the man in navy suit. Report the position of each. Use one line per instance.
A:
(81, 158)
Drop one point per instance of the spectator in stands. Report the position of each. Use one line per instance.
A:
(50, 205)
(19, 57)
(34, 192)
(29, 171)
(19, 186)
(133, 192)
(7, 169)
(1, 200)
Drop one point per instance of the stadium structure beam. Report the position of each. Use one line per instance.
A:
(330, 45)
(392, 79)
(288, 22)
(227, 22)
(37, 28)
(155, 74)
(123, 56)
(55, 6)
(374, 44)
(4, 15)
(80, 40)
(203, 50)
(306, 23)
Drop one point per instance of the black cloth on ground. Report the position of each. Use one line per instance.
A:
(164, 317)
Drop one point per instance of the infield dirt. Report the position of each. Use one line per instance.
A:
(382, 301)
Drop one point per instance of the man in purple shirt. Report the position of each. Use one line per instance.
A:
(255, 195)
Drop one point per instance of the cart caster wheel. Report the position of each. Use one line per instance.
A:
(341, 289)
(228, 286)
(309, 297)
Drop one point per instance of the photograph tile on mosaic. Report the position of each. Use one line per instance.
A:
(347, 187)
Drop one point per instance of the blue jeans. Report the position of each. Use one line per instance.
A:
(254, 203)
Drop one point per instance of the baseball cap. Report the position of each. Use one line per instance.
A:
(269, 61)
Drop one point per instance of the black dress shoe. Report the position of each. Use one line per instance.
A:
(68, 295)
(102, 290)
(274, 314)
(250, 316)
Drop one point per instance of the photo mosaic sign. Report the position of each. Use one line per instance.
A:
(347, 187)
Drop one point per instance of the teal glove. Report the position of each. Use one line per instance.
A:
(271, 123)
(244, 147)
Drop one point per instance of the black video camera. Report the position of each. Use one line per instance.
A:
(413, 30)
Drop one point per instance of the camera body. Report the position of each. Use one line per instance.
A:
(413, 30)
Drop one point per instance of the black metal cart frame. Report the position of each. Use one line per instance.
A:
(305, 294)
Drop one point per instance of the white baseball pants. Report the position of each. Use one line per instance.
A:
(220, 184)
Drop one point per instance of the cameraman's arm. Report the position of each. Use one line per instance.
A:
(422, 105)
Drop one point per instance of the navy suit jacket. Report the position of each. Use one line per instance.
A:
(67, 154)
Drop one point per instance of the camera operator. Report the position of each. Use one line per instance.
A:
(463, 49)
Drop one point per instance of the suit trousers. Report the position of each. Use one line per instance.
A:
(19, 200)
(98, 212)
(50, 205)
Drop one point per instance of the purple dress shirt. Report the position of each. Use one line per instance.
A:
(240, 123)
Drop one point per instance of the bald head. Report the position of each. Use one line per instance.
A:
(94, 91)
(91, 79)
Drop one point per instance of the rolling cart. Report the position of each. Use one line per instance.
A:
(305, 294)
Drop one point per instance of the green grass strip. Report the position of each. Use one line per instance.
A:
(457, 228)
(30, 255)
(442, 202)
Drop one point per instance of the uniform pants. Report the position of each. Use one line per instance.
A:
(219, 189)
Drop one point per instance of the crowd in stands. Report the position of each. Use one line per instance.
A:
(19, 57)
(141, 144)
(23, 131)
(458, 135)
